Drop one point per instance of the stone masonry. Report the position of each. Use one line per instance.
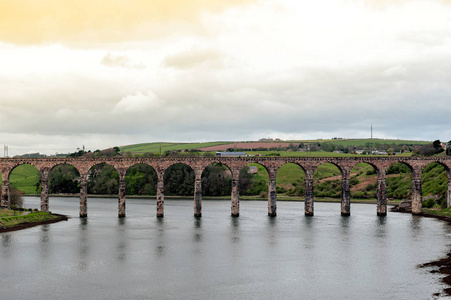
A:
(235, 164)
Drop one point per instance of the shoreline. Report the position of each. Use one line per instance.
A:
(223, 198)
(443, 264)
(33, 224)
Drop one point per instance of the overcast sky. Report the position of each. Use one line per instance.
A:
(111, 73)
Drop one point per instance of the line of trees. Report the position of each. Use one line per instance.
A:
(217, 181)
(142, 180)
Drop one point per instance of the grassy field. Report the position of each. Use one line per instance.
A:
(364, 142)
(24, 179)
(155, 147)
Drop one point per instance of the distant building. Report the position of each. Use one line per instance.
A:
(252, 170)
(231, 154)
(379, 152)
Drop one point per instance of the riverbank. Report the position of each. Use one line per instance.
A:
(11, 220)
(443, 264)
(226, 198)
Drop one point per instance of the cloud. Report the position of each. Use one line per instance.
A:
(194, 57)
(93, 21)
(120, 61)
(138, 103)
(309, 73)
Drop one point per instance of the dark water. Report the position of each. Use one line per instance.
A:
(218, 257)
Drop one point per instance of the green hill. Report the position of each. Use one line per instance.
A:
(162, 147)
(24, 178)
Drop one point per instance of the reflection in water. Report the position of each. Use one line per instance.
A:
(309, 221)
(7, 242)
(160, 248)
(271, 235)
(253, 256)
(344, 222)
(121, 239)
(380, 228)
(44, 240)
(235, 232)
(197, 236)
(415, 225)
(345, 235)
(83, 245)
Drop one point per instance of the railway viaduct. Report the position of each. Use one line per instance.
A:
(235, 164)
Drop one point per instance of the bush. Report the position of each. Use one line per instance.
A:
(354, 180)
(429, 203)
(15, 198)
(372, 171)
(280, 190)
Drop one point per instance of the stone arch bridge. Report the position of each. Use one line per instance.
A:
(235, 164)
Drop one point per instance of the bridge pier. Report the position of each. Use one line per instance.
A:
(5, 204)
(309, 196)
(345, 197)
(45, 190)
(272, 194)
(381, 195)
(417, 206)
(84, 196)
(235, 193)
(448, 194)
(198, 194)
(160, 196)
(121, 200)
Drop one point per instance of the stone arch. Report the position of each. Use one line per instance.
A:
(25, 173)
(19, 165)
(363, 181)
(55, 167)
(334, 186)
(403, 162)
(246, 186)
(186, 177)
(368, 162)
(216, 180)
(24, 177)
(395, 188)
(288, 171)
(214, 161)
(141, 186)
(324, 187)
(96, 171)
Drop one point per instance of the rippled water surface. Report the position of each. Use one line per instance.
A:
(219, 257)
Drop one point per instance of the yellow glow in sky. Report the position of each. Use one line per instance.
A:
(37, 21)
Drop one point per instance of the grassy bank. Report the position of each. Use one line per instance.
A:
(437, 211)
(13, 220)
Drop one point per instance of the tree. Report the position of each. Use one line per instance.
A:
(429, 149)
(141, 180)
(216, 181)
(62, 179)
(436, 144)
(179, 180)
(15, 198)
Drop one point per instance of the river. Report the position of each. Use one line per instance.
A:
(219, 257)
